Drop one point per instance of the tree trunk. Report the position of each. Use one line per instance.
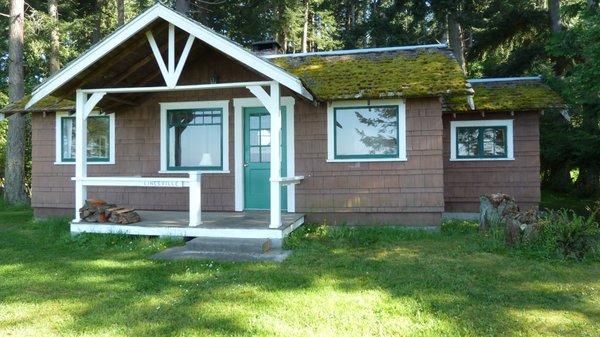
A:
(14, 175)
(54, 57)
(456, 42)
(554, 6)
(305, 28)
(97, 33)
(120, 12)
(182, 6)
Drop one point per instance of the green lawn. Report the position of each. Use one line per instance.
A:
(370, 282)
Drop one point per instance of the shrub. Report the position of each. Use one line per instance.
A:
(568, 234)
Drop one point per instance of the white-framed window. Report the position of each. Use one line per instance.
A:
(100, 138)
(194, 136)
(366, 131)
(481, 140)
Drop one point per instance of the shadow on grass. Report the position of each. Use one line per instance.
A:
(106, 283)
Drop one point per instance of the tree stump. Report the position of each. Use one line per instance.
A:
(493, 210)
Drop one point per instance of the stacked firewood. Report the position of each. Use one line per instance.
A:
(97, 210)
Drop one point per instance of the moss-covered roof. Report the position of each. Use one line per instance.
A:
(510, 94)
(48, 103)
(422, 72)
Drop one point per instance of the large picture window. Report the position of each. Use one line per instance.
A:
(195, 139)
(99, 139)
(366, 132)
(481, 140)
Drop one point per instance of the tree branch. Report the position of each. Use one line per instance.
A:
(6, 15)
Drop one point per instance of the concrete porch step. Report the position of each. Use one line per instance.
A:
(184, 253)
(229, 245)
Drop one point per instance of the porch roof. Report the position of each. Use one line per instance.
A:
(409, 71)
(507, 94)
(125, 59)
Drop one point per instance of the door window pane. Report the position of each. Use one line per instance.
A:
(195, 139)
(365, 132)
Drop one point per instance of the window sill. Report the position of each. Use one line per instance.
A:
(482, 159)
(365, 160)
(186, 172)
(89, 163)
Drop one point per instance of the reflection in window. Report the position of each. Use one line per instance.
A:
(481, 142)
(366, 132)
(98, 139)
(195, 139)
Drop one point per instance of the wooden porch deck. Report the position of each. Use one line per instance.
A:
(248, 224)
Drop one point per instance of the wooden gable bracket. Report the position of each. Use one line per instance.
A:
(170, 71)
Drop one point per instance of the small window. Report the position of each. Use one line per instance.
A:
(195, 139)
(481, 140)
(98, 140)
(366, 132)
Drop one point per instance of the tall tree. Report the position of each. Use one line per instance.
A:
(97, 30)
(554, 6)
(14, 175)
(120, 12)
(456, 40)
(304, 42)
(183, 6)
(54, 55)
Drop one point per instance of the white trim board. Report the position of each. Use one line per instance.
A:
(58, 139)
(164, 106)
(194, 28)
(267, 233)
(375, 102)
(238, 106)
(508, 123)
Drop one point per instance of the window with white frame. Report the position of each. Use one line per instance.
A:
(194, 136)
(481, 140)
(100, 139)
(367, 131)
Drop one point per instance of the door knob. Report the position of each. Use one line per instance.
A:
(245, 164)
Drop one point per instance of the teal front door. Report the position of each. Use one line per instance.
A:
(257, 158)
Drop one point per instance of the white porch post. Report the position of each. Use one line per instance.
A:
(273, 105)
(80, 151)
(195, 198)
(275, 110)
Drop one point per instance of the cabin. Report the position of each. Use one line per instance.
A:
(206, 138)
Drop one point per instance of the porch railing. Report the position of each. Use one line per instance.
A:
(192, 182)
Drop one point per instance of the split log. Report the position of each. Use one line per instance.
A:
(124, 216)
(97, 210)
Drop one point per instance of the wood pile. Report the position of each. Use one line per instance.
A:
(96, 210)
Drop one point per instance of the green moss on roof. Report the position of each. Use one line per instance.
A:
(509, 95)
(48, 103)
(407, 73)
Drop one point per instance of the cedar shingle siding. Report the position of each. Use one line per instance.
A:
(465, 181)
(414, 192)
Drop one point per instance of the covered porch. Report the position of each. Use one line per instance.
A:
(247, 224)
(163, 41)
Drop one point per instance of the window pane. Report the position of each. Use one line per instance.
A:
(265, 121)
(493, 142)
(254, 137)
(468, 142)
(68, 138)
(195, 139)
(98, 138)
(366, 131)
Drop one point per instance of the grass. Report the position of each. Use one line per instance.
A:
(345, 282)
